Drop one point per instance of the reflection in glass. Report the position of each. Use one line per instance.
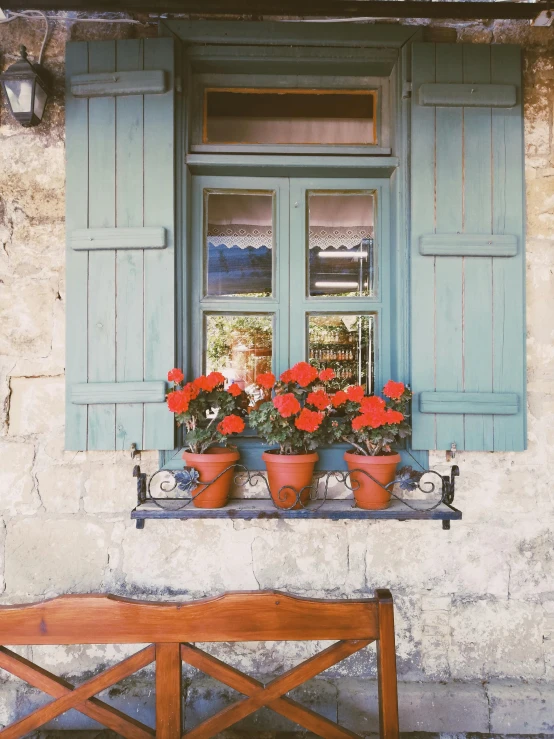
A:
(289, 116)
(238, 243)
(345, 343)
(238, 346)
(341, 259)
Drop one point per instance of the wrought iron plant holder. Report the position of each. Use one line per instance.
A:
(171, 494)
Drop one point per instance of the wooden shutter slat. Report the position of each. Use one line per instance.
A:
(137, 82)
(118, 340)
(76, 198)
(130, 264)
(449, 219)
(503, 404)
(509, 369)
(469, 245)
(468, 328)
(102, 280)
(159, 265)
(472, 95)
(422, 269)
(478, 324)
(94, 393)
(91, 239)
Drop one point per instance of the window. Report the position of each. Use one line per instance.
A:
(289, 116)
(290, 269)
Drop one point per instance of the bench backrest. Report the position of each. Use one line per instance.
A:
(169, 628)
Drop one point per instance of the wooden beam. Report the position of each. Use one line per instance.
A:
(299, 8)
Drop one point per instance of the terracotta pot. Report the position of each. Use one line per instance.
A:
(291, 470)
(368, 494)
(210, 465)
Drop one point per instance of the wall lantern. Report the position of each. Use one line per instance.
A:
(26, 90)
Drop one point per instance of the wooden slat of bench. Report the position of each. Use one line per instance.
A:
(264, 616)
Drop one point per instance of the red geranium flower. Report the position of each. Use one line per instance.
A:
(319, 398)
(339, 398)
(393, 389)
(287, 376)
(210, 382)
(175, 375)
(191, 391)
(234, 390)
(327, 374)
(266, 380)
(373, 420)
(231, 425)
(394, 416)
(304, 373)
(373, 403)
(286, 404)
(355, 393)
(178, 401)
(309, 420)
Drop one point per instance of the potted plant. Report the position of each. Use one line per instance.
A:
(296, 421)
(371, 425)
(210, 414)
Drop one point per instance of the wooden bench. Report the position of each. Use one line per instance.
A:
(169, 629)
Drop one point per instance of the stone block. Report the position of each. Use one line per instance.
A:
(8, 704)
(306, 556)
(26, 319)
(195, 557)
(17, 488)
(37, 405)
(205, 697)
(532, 570)
(496, 639)
(423, 707)
(60, 488)
(46, 556)
(464, 560)
(521, 708)
(110, 488)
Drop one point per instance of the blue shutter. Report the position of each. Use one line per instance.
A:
(120, 243)
(467, 248)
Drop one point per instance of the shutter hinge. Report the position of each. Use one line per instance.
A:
(406, 90)
(178, 84)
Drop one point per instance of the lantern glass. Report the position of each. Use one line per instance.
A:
(40, 100)
(20, 94)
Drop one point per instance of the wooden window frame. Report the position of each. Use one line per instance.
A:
(231, 48)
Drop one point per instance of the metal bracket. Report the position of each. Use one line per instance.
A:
(449, 489)
(451, 453)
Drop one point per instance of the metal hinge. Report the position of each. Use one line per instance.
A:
(406, 90)
(178, 84)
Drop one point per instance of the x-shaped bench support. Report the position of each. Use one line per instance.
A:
(256, 693)
(271, 695)
(80, 698)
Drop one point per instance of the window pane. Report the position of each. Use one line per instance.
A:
(238, 346)
(284, 116)
(345, 343)
(341, 255)
(239, 243)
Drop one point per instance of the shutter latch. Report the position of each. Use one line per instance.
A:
(451, 453)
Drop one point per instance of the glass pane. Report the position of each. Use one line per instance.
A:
(239, 244)
(345, 343)
(20, 93)
(239, 346)
(40, 101)
(285, 116)
(341, 259)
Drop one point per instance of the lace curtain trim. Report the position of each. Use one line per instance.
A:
(322, 237)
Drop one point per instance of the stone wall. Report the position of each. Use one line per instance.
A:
(474, 606)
